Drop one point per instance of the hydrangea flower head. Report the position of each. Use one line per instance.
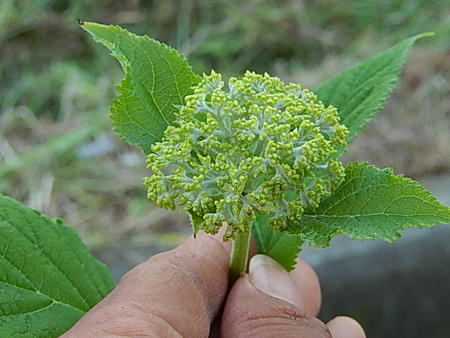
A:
(256, 146)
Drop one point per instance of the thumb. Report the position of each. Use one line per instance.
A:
(267, 303)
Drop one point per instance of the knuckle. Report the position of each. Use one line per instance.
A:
(141, 268)
(131, 273)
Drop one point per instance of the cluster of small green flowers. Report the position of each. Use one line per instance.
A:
(262, 147)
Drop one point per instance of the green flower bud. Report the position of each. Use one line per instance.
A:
(262, 147)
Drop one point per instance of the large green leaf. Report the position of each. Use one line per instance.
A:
(360, 92)
(48, 279)
(371, 204)
(156, 81)
(282, 247)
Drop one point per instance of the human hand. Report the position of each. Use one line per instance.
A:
(180, 292)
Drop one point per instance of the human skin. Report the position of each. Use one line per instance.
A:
(180, 293)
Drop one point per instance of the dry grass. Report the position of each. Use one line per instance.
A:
(412, 133)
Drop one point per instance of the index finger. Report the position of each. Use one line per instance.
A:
(175, 293)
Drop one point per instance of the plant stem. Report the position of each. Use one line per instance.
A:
(239, 256)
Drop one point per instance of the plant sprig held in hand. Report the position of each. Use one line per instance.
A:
(254, 153)
(262, 147)
(262, 156)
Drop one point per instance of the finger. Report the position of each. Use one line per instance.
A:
(176, 293)
(266, 303)
(345, 327)
(308, 286)
(252, 250)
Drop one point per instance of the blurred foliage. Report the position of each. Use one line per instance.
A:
(56, 84)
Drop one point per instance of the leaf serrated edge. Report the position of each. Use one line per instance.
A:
(58, 222)
(90, 27)
(86, 26)
(391, 84)
(325, 240)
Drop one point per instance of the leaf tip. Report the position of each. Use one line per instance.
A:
(90, 27)
(425, 35)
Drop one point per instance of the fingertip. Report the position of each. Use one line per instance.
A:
(202, 236)
(254, 311)
(308, 286)
(345, 327)
(253, 249)
(270, 277)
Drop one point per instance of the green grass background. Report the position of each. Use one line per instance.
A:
(57, 151)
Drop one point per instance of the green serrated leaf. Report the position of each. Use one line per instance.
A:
(282, 247)
(371, 203)
(48, 279)
(360, 92)
(157, 78)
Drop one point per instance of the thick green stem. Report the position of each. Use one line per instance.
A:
(239, 255)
